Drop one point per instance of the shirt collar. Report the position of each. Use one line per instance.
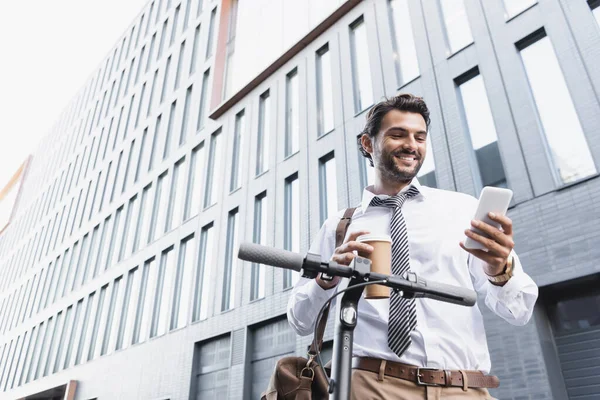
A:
(368, 193)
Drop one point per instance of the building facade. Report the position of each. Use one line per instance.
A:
(213, 122)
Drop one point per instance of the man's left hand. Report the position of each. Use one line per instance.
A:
(499, 245)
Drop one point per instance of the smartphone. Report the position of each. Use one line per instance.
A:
(491, 199)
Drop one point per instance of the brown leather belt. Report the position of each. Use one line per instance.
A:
(426, 376)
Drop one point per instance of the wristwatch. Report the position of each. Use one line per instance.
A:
(505, 275)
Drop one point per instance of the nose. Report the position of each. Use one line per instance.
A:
(410, 144)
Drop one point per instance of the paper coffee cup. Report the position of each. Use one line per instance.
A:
(381, 262)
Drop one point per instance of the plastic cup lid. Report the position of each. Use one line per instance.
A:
(374, 238)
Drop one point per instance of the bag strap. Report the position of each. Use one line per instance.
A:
(340, 234)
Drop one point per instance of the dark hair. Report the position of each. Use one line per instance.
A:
(403, 102)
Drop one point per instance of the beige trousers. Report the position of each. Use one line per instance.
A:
(367, 386)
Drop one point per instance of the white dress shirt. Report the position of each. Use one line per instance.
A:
(447, 336)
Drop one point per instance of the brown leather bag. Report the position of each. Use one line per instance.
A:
(300, 378)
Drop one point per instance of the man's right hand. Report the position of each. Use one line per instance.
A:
(344, 255)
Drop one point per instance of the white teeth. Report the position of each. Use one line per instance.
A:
(407, 158)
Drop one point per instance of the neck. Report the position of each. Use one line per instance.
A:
(390, 188)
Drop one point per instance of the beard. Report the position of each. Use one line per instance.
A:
(390, 170)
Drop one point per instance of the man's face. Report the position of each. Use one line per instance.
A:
(399, 149)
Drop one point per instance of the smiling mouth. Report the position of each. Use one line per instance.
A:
(407, 158)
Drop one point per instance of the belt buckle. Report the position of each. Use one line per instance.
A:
(419, 375)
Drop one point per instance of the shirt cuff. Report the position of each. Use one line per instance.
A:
(510, 291)
(317, 295)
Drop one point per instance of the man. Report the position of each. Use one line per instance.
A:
(427, 226)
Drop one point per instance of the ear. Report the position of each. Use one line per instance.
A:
(367, 143)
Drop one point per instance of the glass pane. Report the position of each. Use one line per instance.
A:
(482, 132)
(458, 30)
(572, 158)
(292, 118)
(229, 281)
(260, 237)
(324, 90)
(363, 89)
(405, 51)
(214, 164)
(513, 7)
(262, 143)
(292, 225)
(185, 272)
(238, 139)
(194, 194)
(203, 274)
(146, 212)
(163, 295)
(328, 187)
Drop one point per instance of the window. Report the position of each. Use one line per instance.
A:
(204, 270)
(128, 166)
(571, 158)
(174, 27)
(212, 369)
(193, 61)
(151, 99)
(73, 337)
(482, 132)
(127, 238)
(96, 325)
(168, 137)
(202, 109)
(163, 33)
(324, 91)
(179, 65)
(158, 215)
(165, 80)
(163, 294)
(292, 110)
(291, 214)
(186, 18)
(211, 33)
(145, 302)
(128, 310)
(514, 7)
(258, 276)
(595, 6)
(108, 328)
(262, 142)
(403, 42)
(361, 69)
(154, 151)
(194, 191)
(115, 238)
(142, 229)
(214, 166)
(458, 30)
(183, 283)
(115, 177)
(102, 249)
(183, 133)
(150, 52)
(236, 164)
(176, 198)
(139, 66)
(229, 277)
(328, 186)
(141, 154)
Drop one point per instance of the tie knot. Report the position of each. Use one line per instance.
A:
(395, 201)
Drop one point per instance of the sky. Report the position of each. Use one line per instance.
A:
(48, 50)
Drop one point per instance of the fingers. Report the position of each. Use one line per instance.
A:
(506, 222)
(485, 256)
(494, 247)
(505, 239)
(345, 253)
(354, 235)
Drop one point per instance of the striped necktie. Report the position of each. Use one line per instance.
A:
(403, 314)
